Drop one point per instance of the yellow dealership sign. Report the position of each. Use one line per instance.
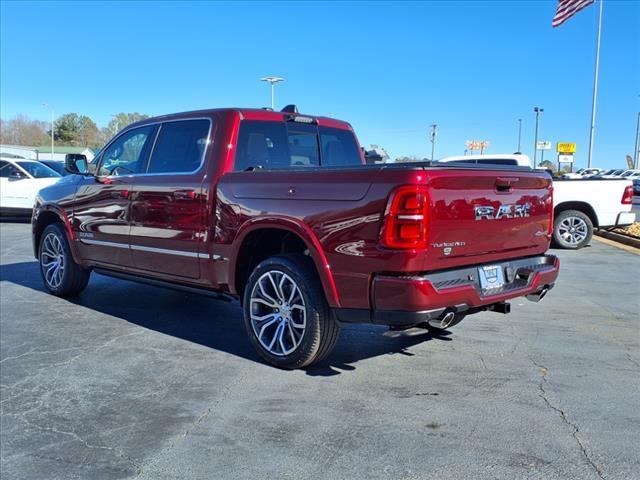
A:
(564, 147)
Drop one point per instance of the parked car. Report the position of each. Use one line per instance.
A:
(279, 210)
(580, 207)
(20, 180)
(55, 165)
(631, 173)
(613, 173)
(636, 186)
(583, 173)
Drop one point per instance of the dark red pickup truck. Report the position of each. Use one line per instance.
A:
(280, 210)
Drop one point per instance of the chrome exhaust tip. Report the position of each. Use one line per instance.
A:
(443, 322)
(536, 297)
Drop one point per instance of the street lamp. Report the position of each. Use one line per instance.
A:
(272, 81)
(537, 111)
(519, 134)
(46, 105)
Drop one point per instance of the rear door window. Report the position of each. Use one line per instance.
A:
(180, 147)
(269, 145)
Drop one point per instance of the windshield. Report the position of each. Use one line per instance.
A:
(38, 170)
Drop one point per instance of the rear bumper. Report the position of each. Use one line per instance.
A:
(405, 300)
(625, 218)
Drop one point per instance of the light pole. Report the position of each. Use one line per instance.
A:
(46, 105)
(636, 165)
(519, 134)
(432, 136)
(272, 81)
(537, 111)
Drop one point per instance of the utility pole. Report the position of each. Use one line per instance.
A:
(636, 164)
(537, 111)
(432, 136)
(272, 81)
(52, 126)
(519, 134)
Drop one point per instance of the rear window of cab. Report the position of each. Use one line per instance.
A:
(279, 145)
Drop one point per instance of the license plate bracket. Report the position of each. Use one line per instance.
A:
(491, 278)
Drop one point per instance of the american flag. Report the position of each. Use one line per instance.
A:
(568, 8)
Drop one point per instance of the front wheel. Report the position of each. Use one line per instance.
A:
(285, 313)
(572, 230)
(61, 275)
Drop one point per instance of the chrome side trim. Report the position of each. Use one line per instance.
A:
(142, 248)
(104, 244)
(167, 251)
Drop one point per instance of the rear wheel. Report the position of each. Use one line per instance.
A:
(285, 313)
(572, 230)
(61, 275)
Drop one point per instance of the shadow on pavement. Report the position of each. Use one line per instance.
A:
(214, 324)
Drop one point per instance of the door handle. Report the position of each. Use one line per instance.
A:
(120, 194)
(185, 194)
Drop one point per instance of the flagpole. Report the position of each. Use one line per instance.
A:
(595, 88)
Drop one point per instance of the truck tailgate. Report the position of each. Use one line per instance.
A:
(476, 213)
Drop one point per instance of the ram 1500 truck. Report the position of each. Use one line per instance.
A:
(279, 210)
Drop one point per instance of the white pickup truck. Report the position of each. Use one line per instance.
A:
(579, 206)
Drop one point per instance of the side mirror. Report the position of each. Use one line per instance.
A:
(76, 163)
(16, 175)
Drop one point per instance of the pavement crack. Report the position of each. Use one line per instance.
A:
(86, 444)
(575, 430)
(33, 351)
(192, 426)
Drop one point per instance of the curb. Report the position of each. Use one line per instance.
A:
(616, 237)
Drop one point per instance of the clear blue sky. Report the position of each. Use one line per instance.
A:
(390, 69)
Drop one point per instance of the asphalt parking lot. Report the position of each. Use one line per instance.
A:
(131, 381)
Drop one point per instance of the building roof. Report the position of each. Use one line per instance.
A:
(61, 149)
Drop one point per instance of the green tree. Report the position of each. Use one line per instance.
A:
(76, 130)
(549, 165)
(122, 120)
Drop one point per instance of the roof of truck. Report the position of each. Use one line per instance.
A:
(249, 114)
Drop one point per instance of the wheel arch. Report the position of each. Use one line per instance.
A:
(47, 215)
(583, 207)
(260, 239)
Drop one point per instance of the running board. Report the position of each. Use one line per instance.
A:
(162, 284)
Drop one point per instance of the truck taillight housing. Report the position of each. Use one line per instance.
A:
(405, 223)
(627, 196)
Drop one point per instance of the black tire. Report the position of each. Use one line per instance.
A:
(572, 230)
(320, 333)
(71, 278)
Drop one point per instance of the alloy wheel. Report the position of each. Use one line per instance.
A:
(573, 230)
(52, 260)
(278, 313)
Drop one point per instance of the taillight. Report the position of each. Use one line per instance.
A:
(405, 224)
(627, 196)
